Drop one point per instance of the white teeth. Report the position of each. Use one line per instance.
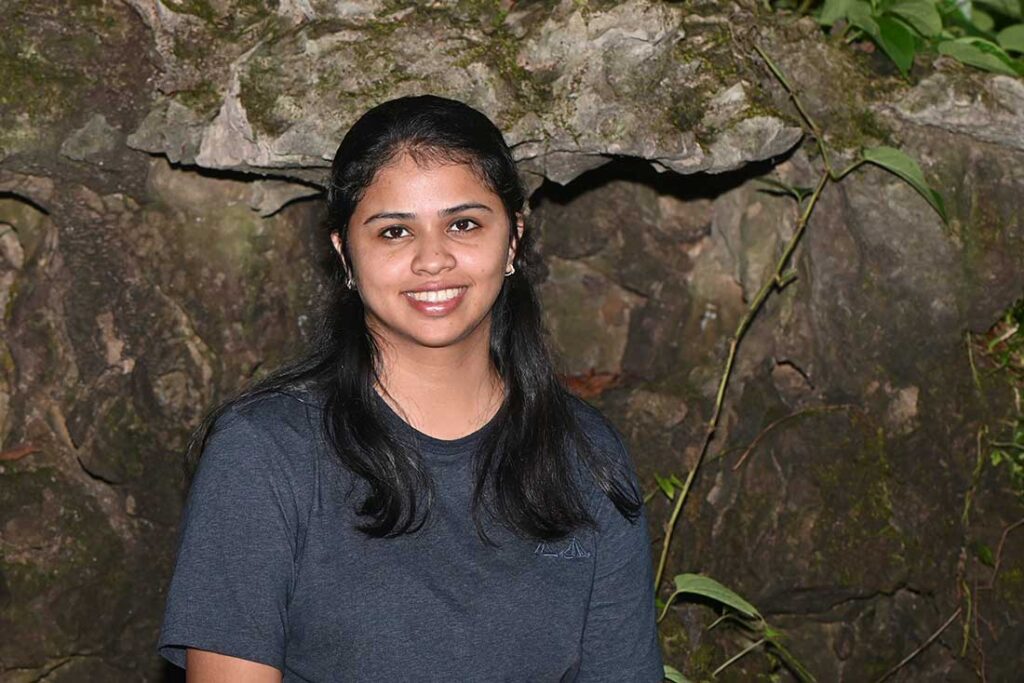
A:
(437, 295)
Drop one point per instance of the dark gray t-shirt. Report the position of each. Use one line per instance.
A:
(271, 569)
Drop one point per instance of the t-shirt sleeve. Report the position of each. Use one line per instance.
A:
(620, 637)
(236, 554)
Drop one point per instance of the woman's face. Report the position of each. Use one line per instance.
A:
(429, 246)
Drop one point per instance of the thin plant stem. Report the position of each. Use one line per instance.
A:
(923, 646)
(741, 329)
(778, 281)
(807, 411)
(773, 283)
(741, 653)
(816, 132)
(969, 601)
(819, 137)
(848, 170)
(999, 551)
(792, 662)
(970, 608)
(1003, 337)
(979, 465)
(970, 359)
(719, 620)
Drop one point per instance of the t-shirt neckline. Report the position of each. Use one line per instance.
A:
(431, 445)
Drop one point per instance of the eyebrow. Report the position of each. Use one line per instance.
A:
(404, 216)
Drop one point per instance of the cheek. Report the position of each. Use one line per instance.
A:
(371, 265)
(495, 258)
(380, 283)
(489, 269)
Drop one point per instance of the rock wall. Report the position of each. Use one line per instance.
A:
(159, 171)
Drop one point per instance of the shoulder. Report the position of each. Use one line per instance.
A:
(273, 431)
(598, 429)
(608, 471)
(279, 414)
(608, 458)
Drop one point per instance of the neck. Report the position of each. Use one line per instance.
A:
(445, 392)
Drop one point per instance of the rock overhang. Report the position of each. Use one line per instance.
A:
(571, 87)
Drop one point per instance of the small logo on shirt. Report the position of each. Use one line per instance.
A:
(570, 552)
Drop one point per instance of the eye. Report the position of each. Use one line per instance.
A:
(465, 225)
(393, 232)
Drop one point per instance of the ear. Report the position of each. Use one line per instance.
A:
(339, 247)
(517, 237)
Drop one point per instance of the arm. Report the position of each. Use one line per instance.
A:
(212, 667)
(235, 562)
(620, 638)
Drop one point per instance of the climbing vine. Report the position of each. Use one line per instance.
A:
(735, 609)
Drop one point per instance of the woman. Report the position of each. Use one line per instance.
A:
(419, 498)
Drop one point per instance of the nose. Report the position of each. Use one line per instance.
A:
(433, 254)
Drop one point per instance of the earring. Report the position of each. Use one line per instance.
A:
(349, 282)
(510, 270)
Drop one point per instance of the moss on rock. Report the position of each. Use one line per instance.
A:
(63, 566)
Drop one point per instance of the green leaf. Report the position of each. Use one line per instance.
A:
(1008, 8)
(706, 587)
(979, 53)
(1011, 38)
(860, 15)
(666, 485)
(956, 9)
(833, 10)
(773, 186)
(982, 20)
(958, 19)
(898, 42)
(895, 161)
(673, 675)
(984, 554)
(921, 14)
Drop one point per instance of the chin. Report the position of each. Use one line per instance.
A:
(437, 334)
(438, 339)
(436, 342)
(442, 336)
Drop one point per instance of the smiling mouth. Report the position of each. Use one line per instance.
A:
(437, 296)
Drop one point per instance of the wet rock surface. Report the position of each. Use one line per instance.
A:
(158, 211)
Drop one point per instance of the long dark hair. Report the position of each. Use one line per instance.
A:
(526, 475)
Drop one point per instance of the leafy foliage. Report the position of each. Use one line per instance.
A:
(897, 162)
(674, 675)
(984, 34)
(741, 614)
(668, 485)
(1005, 348)
(1010, 454)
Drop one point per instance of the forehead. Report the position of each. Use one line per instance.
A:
(408, 179)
